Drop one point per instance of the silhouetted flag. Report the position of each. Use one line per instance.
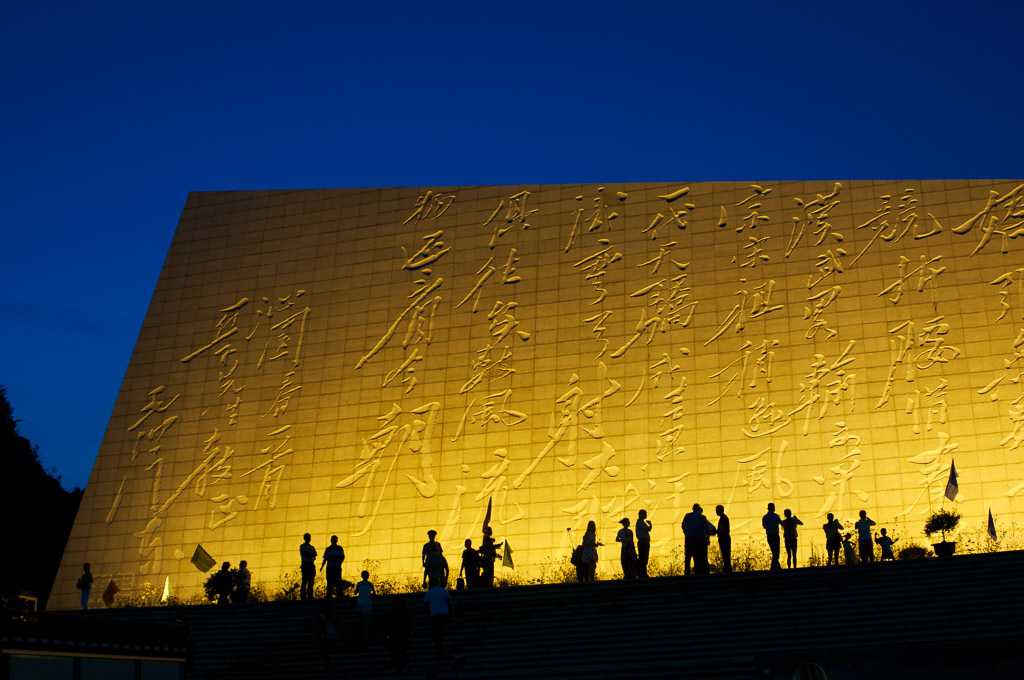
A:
(506, 559)
(202, 559)
(108, 594)
(487, 517)
(992, 526)
(951, 488)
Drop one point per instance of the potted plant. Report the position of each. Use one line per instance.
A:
(939, 522)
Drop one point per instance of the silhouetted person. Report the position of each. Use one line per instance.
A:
(427, 548)
(222, 583)
(334, 555)
(440, 612)
(627, 554)
(724, 539)
(885, 543)
(865, 545)
(696, 532)
(833, 539)
(85, 584)
(789, 534)
(643, 543)
(470, 568)
(364, 603)
(849, 554)
(771, 523)
(243, 582)
(488, 553)
(400, 630)
(307, 566)
(436, 566)
(590, 545)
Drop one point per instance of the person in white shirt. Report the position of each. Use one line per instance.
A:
(865, 546)
(440, 612)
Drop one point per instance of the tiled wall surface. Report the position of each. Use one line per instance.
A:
(374, 363)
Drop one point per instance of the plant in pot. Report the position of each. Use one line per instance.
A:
(939, 522)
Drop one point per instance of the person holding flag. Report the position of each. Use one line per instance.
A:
(488, 552)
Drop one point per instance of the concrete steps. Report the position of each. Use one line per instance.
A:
(718, 627)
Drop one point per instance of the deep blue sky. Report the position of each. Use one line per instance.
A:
(112, 112)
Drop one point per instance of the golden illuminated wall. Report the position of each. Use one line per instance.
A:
(378, 362)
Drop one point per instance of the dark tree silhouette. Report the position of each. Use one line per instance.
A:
(36, 513)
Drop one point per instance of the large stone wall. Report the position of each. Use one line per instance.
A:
(374, 363)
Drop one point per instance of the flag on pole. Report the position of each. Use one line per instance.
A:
(202, 559)
(108, 594)
(506, 559)
(167, 589)
(487, 517)
(992, 526)
(951, 488)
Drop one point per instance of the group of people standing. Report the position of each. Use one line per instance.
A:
(477, 570)
(230, 587)
(698, 530)
(634, 556)
(333, 557)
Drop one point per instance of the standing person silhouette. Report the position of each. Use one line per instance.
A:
(789, 534)
(590, 546)
(724, 539)
(307, 566)
(428, 547)
(849, 554)
(865, 546)
(627, 555)
(334, 555)
(488, 553)
(222, 583)
(243, 582)
(771, 523)
(885, 543)
(436, 566)
(85, 584)
(833, 540)
(643, 543)
(696, 532)
(470, 565)
(364, 604)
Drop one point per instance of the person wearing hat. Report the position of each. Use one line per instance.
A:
(628, 553)
(428, 548)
